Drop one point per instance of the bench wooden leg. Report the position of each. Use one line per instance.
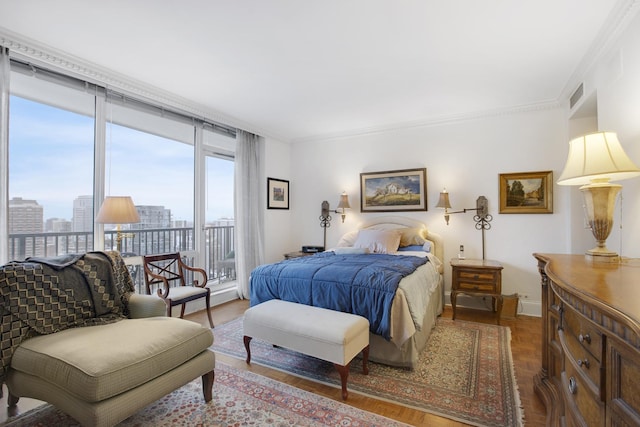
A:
(365, 360)
(207, 385)
(247, 340)
(344, 375)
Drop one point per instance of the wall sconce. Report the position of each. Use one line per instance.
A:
(593, 161)
(118, 210)
(325, 217)
(482, 216)
(343, 204)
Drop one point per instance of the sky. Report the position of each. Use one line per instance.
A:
(51, 161)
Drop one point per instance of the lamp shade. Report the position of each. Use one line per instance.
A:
(597, 157)
(117, 210)
(443, 201)
(344, 201)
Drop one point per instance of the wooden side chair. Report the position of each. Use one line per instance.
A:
(166, 272)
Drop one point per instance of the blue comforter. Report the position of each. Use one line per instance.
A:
(354, 283)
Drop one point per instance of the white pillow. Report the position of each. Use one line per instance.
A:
(378, 241)
(348, 239)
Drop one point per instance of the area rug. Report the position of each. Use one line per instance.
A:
(240, 398)
(466, 372)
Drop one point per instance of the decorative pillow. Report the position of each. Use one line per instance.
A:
(378, 241)
(348, 239)
(412, 236)
(351, 251)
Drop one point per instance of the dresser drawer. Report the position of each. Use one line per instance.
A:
(588, 364)
(623, 369)
(583, 331)
(581, 406)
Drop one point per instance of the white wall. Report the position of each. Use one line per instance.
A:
(467, 157)
(616, 79)
(277, 235)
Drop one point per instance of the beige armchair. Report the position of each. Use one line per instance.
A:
(102, 374)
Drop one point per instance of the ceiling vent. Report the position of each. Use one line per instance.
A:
(577, 95)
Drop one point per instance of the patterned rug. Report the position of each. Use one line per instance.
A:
(240, 398)
(466, 372)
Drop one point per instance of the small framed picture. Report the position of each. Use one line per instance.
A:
(277, 193)
(526, 192)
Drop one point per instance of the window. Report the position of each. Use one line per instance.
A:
(50, 180)
(151, 159)
(59, 158)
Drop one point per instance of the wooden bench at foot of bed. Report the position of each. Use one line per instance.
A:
(326, 334)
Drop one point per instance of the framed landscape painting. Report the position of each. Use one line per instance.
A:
(277, 193)
(394, 191)
(526, 192)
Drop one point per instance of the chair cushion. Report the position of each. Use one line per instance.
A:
(182, 292)
(98, 362)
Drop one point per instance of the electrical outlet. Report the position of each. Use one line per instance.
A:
(461, 248)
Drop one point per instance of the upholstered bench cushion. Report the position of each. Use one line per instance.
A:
(98, 362)
(326, 334)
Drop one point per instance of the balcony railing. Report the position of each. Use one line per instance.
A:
(219, 257)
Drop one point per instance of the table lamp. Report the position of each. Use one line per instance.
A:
(594, 161)
(118, 210)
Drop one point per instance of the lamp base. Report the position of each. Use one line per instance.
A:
(598, 255)
(600, 202)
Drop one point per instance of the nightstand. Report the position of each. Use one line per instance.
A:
(297, 254)
(477, 278)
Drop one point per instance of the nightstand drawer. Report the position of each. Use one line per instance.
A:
(477, 286)
(479, 276)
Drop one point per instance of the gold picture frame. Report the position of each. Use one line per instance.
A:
(526, 192)
(394, 191)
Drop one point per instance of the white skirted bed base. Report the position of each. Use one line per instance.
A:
(407, 341)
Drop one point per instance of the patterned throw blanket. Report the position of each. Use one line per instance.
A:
(46, 295)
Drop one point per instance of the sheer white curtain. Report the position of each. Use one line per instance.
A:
(4, 154)
(249, 211)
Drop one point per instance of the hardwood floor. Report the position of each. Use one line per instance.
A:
(526, 336)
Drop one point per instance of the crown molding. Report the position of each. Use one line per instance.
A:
(56, 60)
(435, 121)
(616, 23)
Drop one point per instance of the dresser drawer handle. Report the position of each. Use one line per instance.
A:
(573, 386)
(476, 287)
(584, 363)
(584, 338)
(476, 277)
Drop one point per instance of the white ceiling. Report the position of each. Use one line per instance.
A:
(302, 69)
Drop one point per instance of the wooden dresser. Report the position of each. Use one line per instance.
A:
(590, 372)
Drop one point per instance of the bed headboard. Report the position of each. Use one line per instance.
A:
(390, 222)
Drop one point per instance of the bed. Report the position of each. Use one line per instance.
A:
(397, 284)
